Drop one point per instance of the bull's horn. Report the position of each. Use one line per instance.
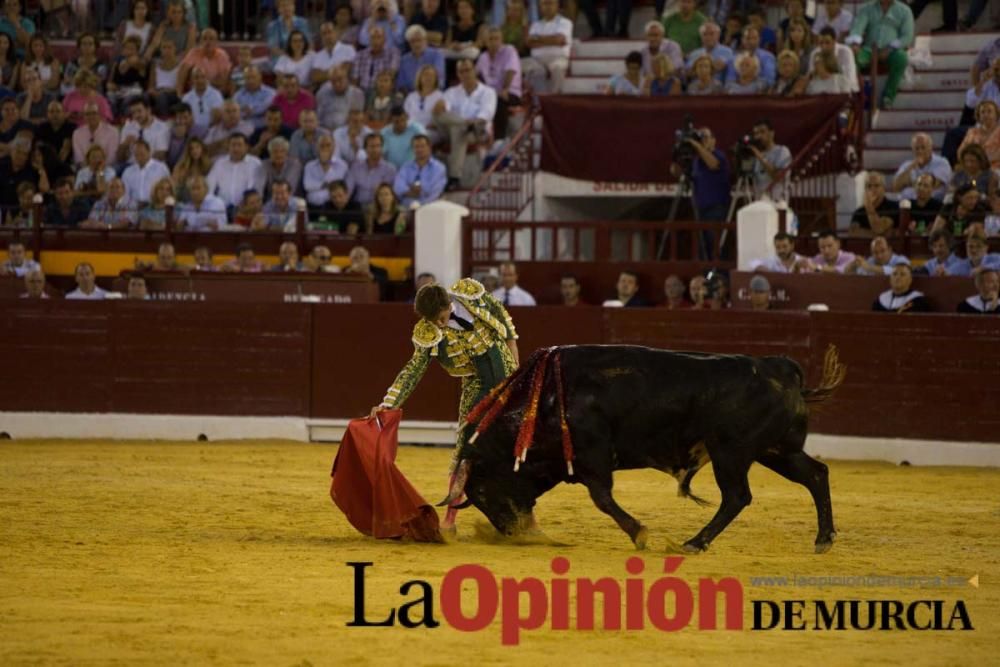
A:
(457, 484)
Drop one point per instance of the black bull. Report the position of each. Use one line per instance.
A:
(630, 407)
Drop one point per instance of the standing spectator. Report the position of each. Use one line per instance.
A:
(365, 175)
(143, 125)
(254, 98)
(986, 133)
(384, 16)
(176, 28)
(217, 138)
(987, 299)
(827, 46)
(272, 129)
(885, 26)
(785, 259)
(293, 100)
(944, 261)
(569, 290)
(832, 15)
(17, 262)
(303, 142)
(351, 137)
(431, 17)
(419, 56)
(236, 173)
(878, 215)
(673, 289)
(140, 177)
(319, 173)
(337, 98)
(86, 284)
(385, 215)
(629, 83)
(627, 289)
(280, 29)
(297, 59)
(280, 166)
(280, 212)
(790, 82)
(550, 40)
(85, 92)
(424, 102)
(901, 297)
(750, 44)
(831, 259)
(924, 208)
(92, 180)
(423, 179)
(204, 211)
(658, 45)
(56, 131)
(500, 68)
(965, 212)
(977, 257)
(469, 117)
(683, 26)
(398, 137)
(163, 79)
(709, 177)
(881, 262)
(332, 54)
(510, 293)
(93, 132)
(377, 57)
(16, 169)
(204, 99)
(924, 161)
(771, 160)
(721, 55)
(210, 59)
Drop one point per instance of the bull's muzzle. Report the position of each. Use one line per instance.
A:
(457, 487)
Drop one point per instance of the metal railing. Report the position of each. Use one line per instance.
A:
(507, 187)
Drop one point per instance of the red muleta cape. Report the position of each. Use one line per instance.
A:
(371, 491)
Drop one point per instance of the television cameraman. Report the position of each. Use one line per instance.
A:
(707, 168)
(770, 160)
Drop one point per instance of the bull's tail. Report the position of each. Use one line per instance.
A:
(834, 373)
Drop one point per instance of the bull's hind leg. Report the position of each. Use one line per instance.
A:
(803, 469)
(600, 492)
(731, 476)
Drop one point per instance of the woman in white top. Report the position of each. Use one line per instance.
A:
(297, 59)
(422, 102)
(163, 78)
(826, 77)
(137, 24)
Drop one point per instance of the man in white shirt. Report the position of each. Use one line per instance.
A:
(17, 263)
(204, 212)
(827, 43)
(468, 116)
(332, 54)
(142, 175)
(236, 173)
(143, 125)
(350, 139)
(217, 138)
(86, 284)
(550, 39)
(785, 260)
(509, 293)
(205, 101)
(319, 173)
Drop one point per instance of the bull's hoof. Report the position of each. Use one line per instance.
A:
(823, 547)
(690, 548)
(640, 539)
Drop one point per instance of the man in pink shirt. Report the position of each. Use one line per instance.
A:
(94, 131)
(292, 101)
(831, 259)
(500, 68)
(210, 59)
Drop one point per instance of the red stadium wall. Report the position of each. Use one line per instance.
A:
(929, 377)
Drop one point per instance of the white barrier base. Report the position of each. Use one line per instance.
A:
(28, 425)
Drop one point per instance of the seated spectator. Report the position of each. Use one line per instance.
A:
(34, 285)
(785, 259)
(509, 293)
(273, 128)
(140, 177)
(749, 81)
(965, 212)
(974, 170)
(425, 101)
(385, 215)
(795, 12)
(987, 89)
(297, 59)
(143, 124)
(10, 62)
(827, 46)
(166, 260)
(832, 15)
(790, 81)
(881, 262)
(750, 45)
(420, 55)
(431, 16)
(924, 162)
(19, 28)
(153, 216)
(281, 167)
(204, 211)
(210, 59)
(385, 17)
(683, 26)
(333, 55)
(204, 100)
(887, 31)
(367, 173)
(673, 289)
(137, 290)
(66, 209)
(16, 169)
(924, 208)
(34, 101)
(293, 100)
(799, 41)
(901, 297)
(217, 138)
(115, 210)
(245, 261)
(468, 117)
(831, 259)
(423, 179)
(466, 37)
(629, 83)
(249, 214)
(128, 75)
(826, 78)
(878, 215)
(92, 180)
(280, 30)
(350, 139)
(986, 133)
(254, 99)
(423, 279)
(182, 132)
(550, 40)
(86, 284)
(11, 124)
(319, 260)
(381, 99)
(280, 212)
(760, 293)
(203, 260)
(57, 132)
(48, 165)
(319, 173)
(345, 27)
(238, 74)
(163, 79)
(398, 138)
(721, 56)
(341, 213)
(24, 215)
(704, 82)
(658, 45)
(663, 81)
(361, 265)
(17, 262)
(732, 29)
(87, 59)
(39, 59)
(627, 289)
(377, 57)
(977, 257)
(176, 28)
(757, 17)
(94, 132)
(194, 162)
(288, 258)
(337, 98)
(987, 299)
(516, 23)
(234, 174)
(944, 261)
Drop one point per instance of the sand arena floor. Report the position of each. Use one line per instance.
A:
(232, 553)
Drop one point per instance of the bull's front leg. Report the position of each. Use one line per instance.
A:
(600, 493)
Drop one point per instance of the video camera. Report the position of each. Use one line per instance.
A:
(744, 156)
(684, 152)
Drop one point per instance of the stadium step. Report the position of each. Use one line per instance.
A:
(949, 61)
(916, 119)
(943, 80)
(886, 159)
(585, 85)
(928, 99)
(596, 67)
(612, 49)
(897, 139)
(961, 41)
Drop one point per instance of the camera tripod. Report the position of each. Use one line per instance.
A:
(685, 189)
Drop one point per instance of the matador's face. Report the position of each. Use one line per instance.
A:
(442, 318)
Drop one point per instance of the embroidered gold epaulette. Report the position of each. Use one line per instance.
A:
(468, 288)
(426, 334)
